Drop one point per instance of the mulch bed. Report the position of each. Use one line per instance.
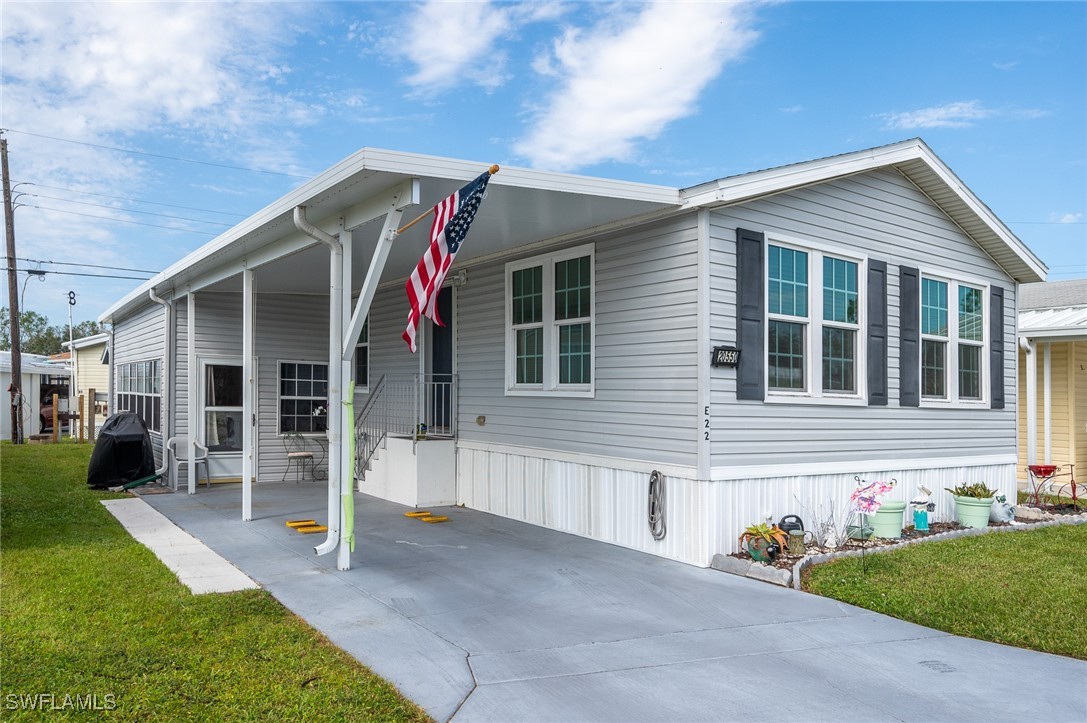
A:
(786, 561)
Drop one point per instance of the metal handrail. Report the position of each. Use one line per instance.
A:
(416, 407)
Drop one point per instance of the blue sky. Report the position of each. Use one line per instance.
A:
(666, 93)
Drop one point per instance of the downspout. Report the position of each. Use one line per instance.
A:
(335, 365)
(168, 378)
(1032, 400)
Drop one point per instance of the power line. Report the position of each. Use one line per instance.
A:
(1050, 223)
(97, 276)
(89, 266)
(127, 210)
(155, 155)
(130, 200)
(119, 220)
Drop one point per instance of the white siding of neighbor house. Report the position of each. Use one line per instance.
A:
(139, 337)
(884, 216)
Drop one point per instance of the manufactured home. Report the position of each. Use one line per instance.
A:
(759, 341)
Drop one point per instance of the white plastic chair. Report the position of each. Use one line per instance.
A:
(179, 449)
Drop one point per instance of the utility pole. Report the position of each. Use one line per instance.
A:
(13, 302)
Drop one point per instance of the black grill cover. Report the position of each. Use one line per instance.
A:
(122, 453)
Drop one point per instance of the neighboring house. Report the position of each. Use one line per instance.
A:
(91, 371)
(1053, 375)
(871, 296)
(41, 378)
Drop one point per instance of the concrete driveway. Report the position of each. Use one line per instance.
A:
(484, 618)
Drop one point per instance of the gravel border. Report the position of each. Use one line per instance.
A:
(791, 578)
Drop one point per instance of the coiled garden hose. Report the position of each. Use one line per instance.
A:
(656, 506)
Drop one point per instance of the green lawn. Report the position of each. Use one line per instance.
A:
(85, 610)
(1027, 589)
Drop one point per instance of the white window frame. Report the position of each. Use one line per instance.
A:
(130, 385)
(280, 397)
(813, 392)
(951, 366)
(550, 385)
(362, 388)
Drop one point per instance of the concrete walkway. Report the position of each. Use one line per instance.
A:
(196, 566)
(483, 618)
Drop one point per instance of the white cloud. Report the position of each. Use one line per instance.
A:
(962, 114)
(1006, 66)
(1066, 217)
(114, 74)
(630, 76)
(453, 42)
(792, 109)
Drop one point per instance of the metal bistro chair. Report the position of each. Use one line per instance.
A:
(294, 444)
(179, 449)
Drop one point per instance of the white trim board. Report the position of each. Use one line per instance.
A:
(861, 467)
(592, 460)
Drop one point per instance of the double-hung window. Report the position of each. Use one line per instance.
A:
(549, 323)
(953, 341)
(139, 390)
(814, 344)
(303, 397)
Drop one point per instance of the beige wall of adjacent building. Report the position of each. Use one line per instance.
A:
(1068, 420)
(91, 373)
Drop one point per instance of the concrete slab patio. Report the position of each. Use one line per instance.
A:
(484, 618)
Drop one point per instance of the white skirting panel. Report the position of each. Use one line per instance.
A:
(741, 502)
(604, 503)
(610, 504)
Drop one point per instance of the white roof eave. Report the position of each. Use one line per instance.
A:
(397, 165)
(1027, 267)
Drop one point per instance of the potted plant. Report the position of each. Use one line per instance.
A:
(763, 541)
(972, 504)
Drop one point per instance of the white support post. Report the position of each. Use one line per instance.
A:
(193, 381)
(1032, 403)
(373, 278)
(248, 396)
(1047, 400)
(347, 465)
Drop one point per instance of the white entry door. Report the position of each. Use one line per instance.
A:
(221, 418)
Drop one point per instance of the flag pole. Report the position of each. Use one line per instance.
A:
(492, 170)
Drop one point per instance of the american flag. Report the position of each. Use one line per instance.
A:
(452, 217)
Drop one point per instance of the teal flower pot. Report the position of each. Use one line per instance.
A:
(973, 512)
(887, 522)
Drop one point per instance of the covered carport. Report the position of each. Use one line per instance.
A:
(337, 236)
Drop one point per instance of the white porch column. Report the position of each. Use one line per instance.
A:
(1047, 400)
(1032, 401)
(248, 396)
(347, 465)
(194, 387)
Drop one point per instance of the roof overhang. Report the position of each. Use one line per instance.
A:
(524, 207)
(916, 161)
(1056, 324)
(86, 341)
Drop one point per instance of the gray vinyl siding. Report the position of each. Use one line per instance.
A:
(139, 337)
(884, 216)
(287, 327)
(645, 402)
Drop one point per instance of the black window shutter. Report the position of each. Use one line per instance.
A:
(996, 346)
(877, 333)
(909, 326)
(751, 312)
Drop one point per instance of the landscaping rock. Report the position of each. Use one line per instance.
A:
(1030, 513)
